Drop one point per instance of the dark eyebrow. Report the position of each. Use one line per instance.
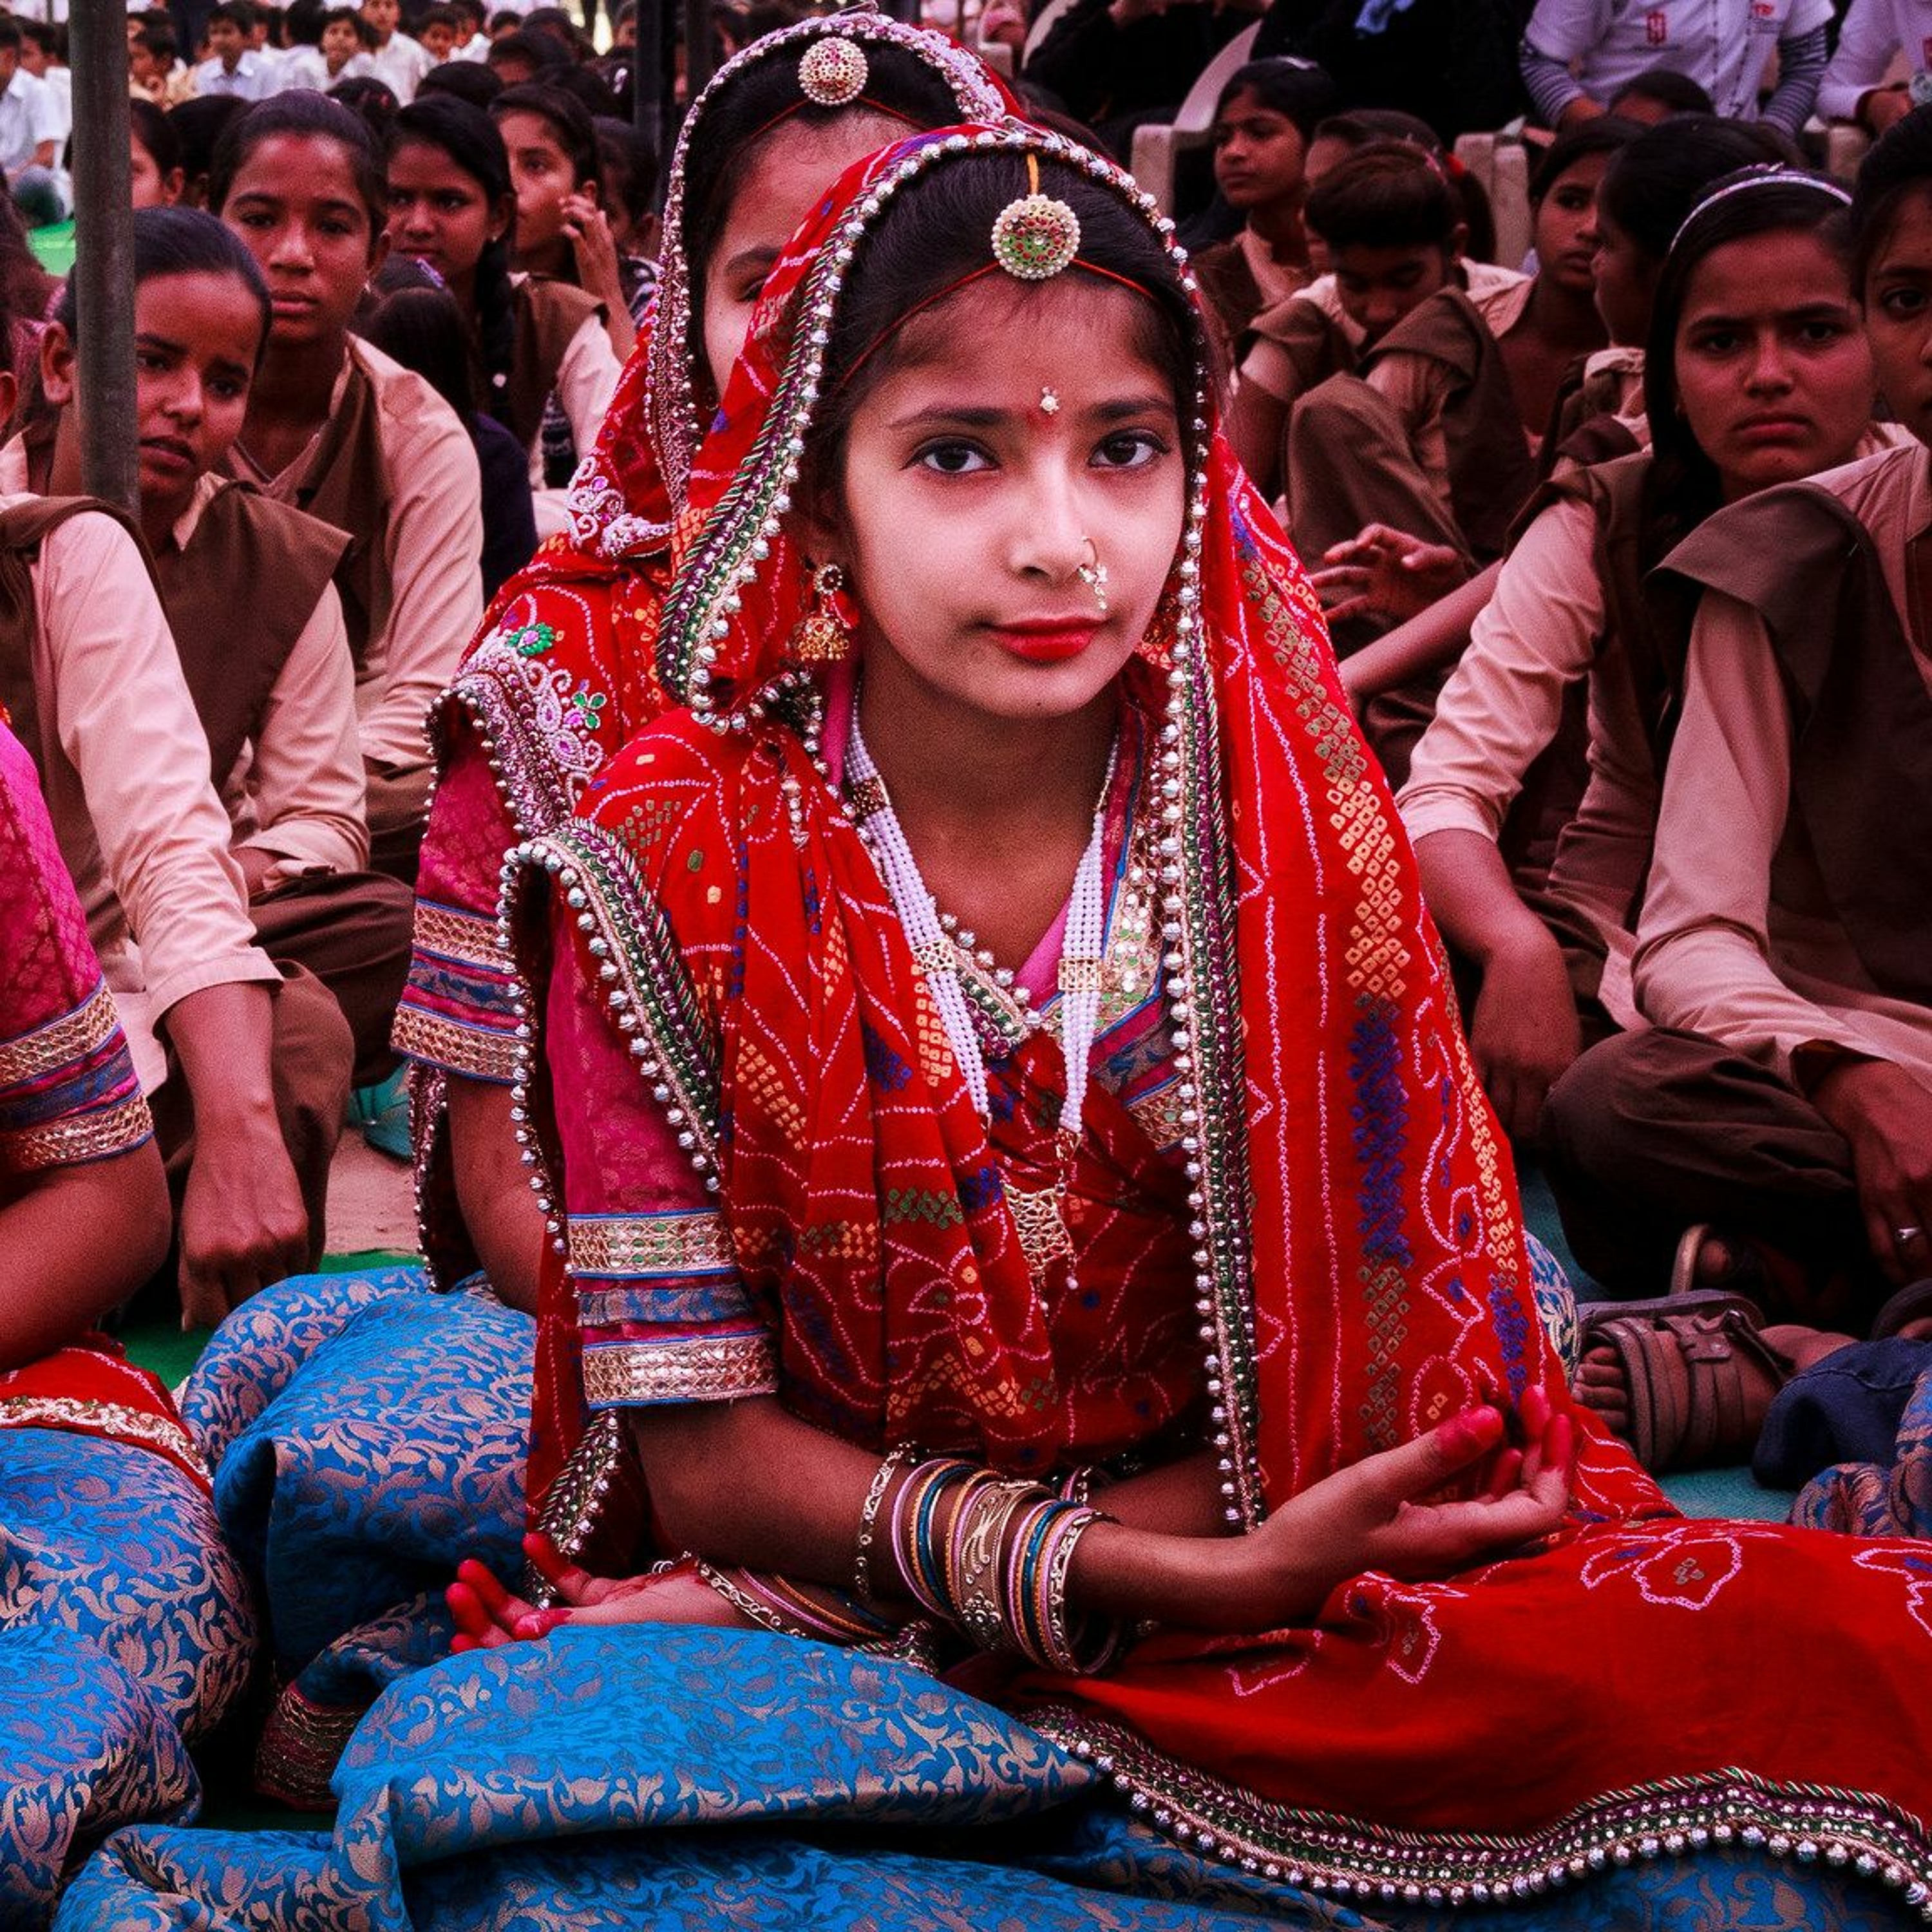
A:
(747, 259)
(1712, 318)
(268, 200)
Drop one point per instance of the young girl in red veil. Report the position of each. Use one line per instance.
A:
(1036, 1233)
(1029, 1202)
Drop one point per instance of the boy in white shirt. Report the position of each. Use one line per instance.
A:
(396, 61)
(233, 67)
(30, 135)
(1577, 53)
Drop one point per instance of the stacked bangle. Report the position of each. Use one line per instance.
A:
(990, 1556)
(824, 1614)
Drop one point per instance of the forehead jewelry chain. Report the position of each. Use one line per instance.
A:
(1035, 236)
(833, 73)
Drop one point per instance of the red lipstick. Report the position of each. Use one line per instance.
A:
(1047, 641)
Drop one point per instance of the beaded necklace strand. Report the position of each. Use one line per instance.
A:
(1039, 1216)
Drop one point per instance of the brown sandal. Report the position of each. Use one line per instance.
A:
(1700, 1376)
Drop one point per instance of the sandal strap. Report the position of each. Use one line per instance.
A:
(1700, 1377)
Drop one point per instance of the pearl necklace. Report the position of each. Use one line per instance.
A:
(938, 958)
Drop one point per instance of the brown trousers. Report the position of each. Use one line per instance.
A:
(398, 806)
(352, 930)
(1349, 464)
(1650, 1133)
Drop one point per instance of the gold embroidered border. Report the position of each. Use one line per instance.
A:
(574, 1504)
(91, 1136)
(1158, 1115)
(137, 1427)
(474, 1051)
(1324, 1852)
(61, 1042)
(707, 1369)
(300, 1748)
(466, 937)
(695, 1244)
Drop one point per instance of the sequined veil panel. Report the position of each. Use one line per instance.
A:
(1358, 1259)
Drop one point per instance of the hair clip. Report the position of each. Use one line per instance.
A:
(1759, 175)
(1035, 236)
(832, 72)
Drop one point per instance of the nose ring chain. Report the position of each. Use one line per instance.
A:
(1093, 574)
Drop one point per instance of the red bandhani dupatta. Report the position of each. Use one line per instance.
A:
(1640, 1684)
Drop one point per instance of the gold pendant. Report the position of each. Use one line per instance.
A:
(1041, 1221)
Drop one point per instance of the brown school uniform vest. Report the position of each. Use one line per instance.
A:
(1316, 344)
(1584, 427)
(237, 599)
(1861, 715)
(23, 529)
(346, 486)
(1651, 655)
(1651, 620)
(1491, 471)
(1232, 295)
(549, 314)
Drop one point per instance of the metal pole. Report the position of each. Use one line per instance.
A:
(104, 252)
(697, 47)
(647, 83)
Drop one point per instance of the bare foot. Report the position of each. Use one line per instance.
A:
(1601, 1387)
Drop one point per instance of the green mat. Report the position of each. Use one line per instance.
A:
(53, 246)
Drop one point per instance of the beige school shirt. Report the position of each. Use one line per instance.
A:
(1728, 945)
(125, 766)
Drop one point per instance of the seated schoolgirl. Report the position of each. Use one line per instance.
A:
(414, 320)
(1770, 1127)
(1296, 344)
(153, 156)
(246, 584)
(627, 174)
(453, 204)
(1382, 574)
(1263, 123)
(248, 1075)
(337, 429)
(562, 233)
(1755, 320)
(124, 1625)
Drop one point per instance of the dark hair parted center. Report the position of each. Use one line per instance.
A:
(936, 234)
